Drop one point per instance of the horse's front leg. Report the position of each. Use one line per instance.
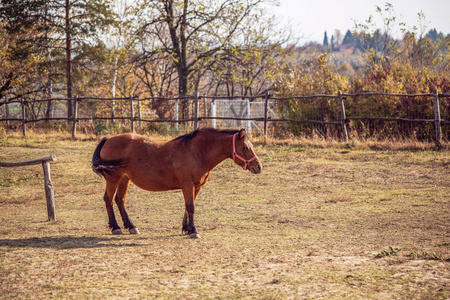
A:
(190, 192)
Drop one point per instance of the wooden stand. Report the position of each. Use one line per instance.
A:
(49, 194)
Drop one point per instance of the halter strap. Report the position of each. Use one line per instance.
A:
(240, 157)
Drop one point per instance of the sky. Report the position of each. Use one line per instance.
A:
(311, 18)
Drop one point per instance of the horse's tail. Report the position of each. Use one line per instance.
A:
(101, 166)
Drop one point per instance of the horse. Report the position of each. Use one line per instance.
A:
(182, 163)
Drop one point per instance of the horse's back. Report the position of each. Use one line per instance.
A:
(127, 145)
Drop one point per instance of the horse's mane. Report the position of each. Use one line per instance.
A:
(188, 137)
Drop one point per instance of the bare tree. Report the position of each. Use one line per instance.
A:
(191, 34)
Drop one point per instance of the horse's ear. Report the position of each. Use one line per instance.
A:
(241, 133)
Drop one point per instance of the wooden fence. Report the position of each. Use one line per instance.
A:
(195, 117)
(49, 193)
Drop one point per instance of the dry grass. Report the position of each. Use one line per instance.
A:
(323, 220)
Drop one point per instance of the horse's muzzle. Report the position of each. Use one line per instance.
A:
(256, 169)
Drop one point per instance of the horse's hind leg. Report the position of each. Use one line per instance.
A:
(190, 193)
(111, 186)
(120, 201)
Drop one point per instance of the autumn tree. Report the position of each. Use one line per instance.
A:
(21, 56)
(191, 35)
(64, 29)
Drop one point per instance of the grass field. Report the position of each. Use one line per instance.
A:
(324, 221)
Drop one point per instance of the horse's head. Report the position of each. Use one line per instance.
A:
(243, 153)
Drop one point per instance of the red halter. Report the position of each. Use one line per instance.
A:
(240, 157)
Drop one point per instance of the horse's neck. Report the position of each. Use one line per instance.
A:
(219, 149)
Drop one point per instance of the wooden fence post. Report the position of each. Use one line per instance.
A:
(132, 113)
(49, 193)
(195, 110)
(6, 110)
(113, 111)
(75, 116)
(93, 113)
(24, 128)
(266, 106)
(343, 123)
(437, 119)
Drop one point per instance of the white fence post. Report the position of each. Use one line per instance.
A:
(176, 115)
(213, 114)
(437, 118)
(249, 122)
(344, 126)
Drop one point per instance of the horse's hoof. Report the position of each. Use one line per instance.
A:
(194, 236)
(134, 231)
(117, 231)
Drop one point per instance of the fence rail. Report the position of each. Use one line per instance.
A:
(339, 116)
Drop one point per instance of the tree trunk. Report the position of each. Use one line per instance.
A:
(68, 61)
(179, 43)
(182, 91)
(49, 111)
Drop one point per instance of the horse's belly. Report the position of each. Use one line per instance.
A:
(150, 182)
(157, 187)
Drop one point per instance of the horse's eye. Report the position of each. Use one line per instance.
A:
(245, 148)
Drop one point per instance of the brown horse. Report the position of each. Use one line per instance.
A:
(183, 163)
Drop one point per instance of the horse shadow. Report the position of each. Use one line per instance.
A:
(84, 242)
